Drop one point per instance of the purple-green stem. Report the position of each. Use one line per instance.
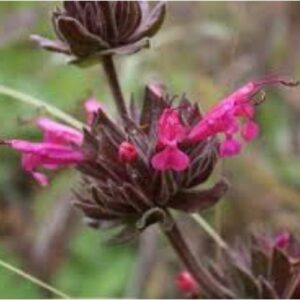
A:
(201, 275)
(115, 87)
(173, 234)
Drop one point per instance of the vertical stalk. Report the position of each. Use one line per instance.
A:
(201, 275)
(115, 87)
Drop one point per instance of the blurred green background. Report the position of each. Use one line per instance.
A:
(205, 50)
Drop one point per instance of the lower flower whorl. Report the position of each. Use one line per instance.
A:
(133, 192)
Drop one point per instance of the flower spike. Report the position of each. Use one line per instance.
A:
(225, 118)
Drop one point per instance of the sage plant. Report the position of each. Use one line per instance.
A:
(147, 160)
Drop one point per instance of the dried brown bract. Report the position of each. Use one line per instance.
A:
(91, 29)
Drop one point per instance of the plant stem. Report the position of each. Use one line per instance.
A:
(115, 87)
(41, 105)
(33, 280)
(210, 231)
(205, 280)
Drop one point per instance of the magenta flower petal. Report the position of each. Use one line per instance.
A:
(238, 104)
(47, 155)
(55, 132)
(170, 129)
(91, 106)
(250, 131)
(40, 178)
(229, 147)
(170, 132)
(246, 110)
(171, 158)
(50, 153)
(29, 163)
(282, 240)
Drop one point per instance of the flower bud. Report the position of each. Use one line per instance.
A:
(186, 283)
(91, 106)
(127, 152)
(90, 29)
(229, 147)
(282, 240)
(250, 131)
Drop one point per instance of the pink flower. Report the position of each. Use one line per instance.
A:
(58, 149)
(250, 131)
(55, 132)
(226, 117)
(91, 106)
(127, 152)
(170, 132)
(229, 147)
(186, 283)
(282, 240)
(171, 158)
(47, 155)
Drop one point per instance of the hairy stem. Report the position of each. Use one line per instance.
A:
(115, 87)
(210, 231)
(201, 275)
(41, 105)
(34, 280)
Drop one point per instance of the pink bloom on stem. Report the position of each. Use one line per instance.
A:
(171, 158)
(250, 131)
(58, 133)
(170, 132)
(229, 147)
(127, 152)
(225, 116)
(156, 89)
(282, 240)
(47, 155)
(58, 148)
(91, 106)
(186, 283)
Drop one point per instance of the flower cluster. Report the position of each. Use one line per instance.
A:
(121, 184)
(134, 171)
(264, 267)
(153, 161)
(170, 132)
(60, 146)
(225, 118)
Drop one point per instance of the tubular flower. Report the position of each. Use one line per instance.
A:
(170, 133)
(90, 29)
(225, 118)
(130, 180)
(47, 155)
(91, 106)
(58, 133)
(60, 148)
